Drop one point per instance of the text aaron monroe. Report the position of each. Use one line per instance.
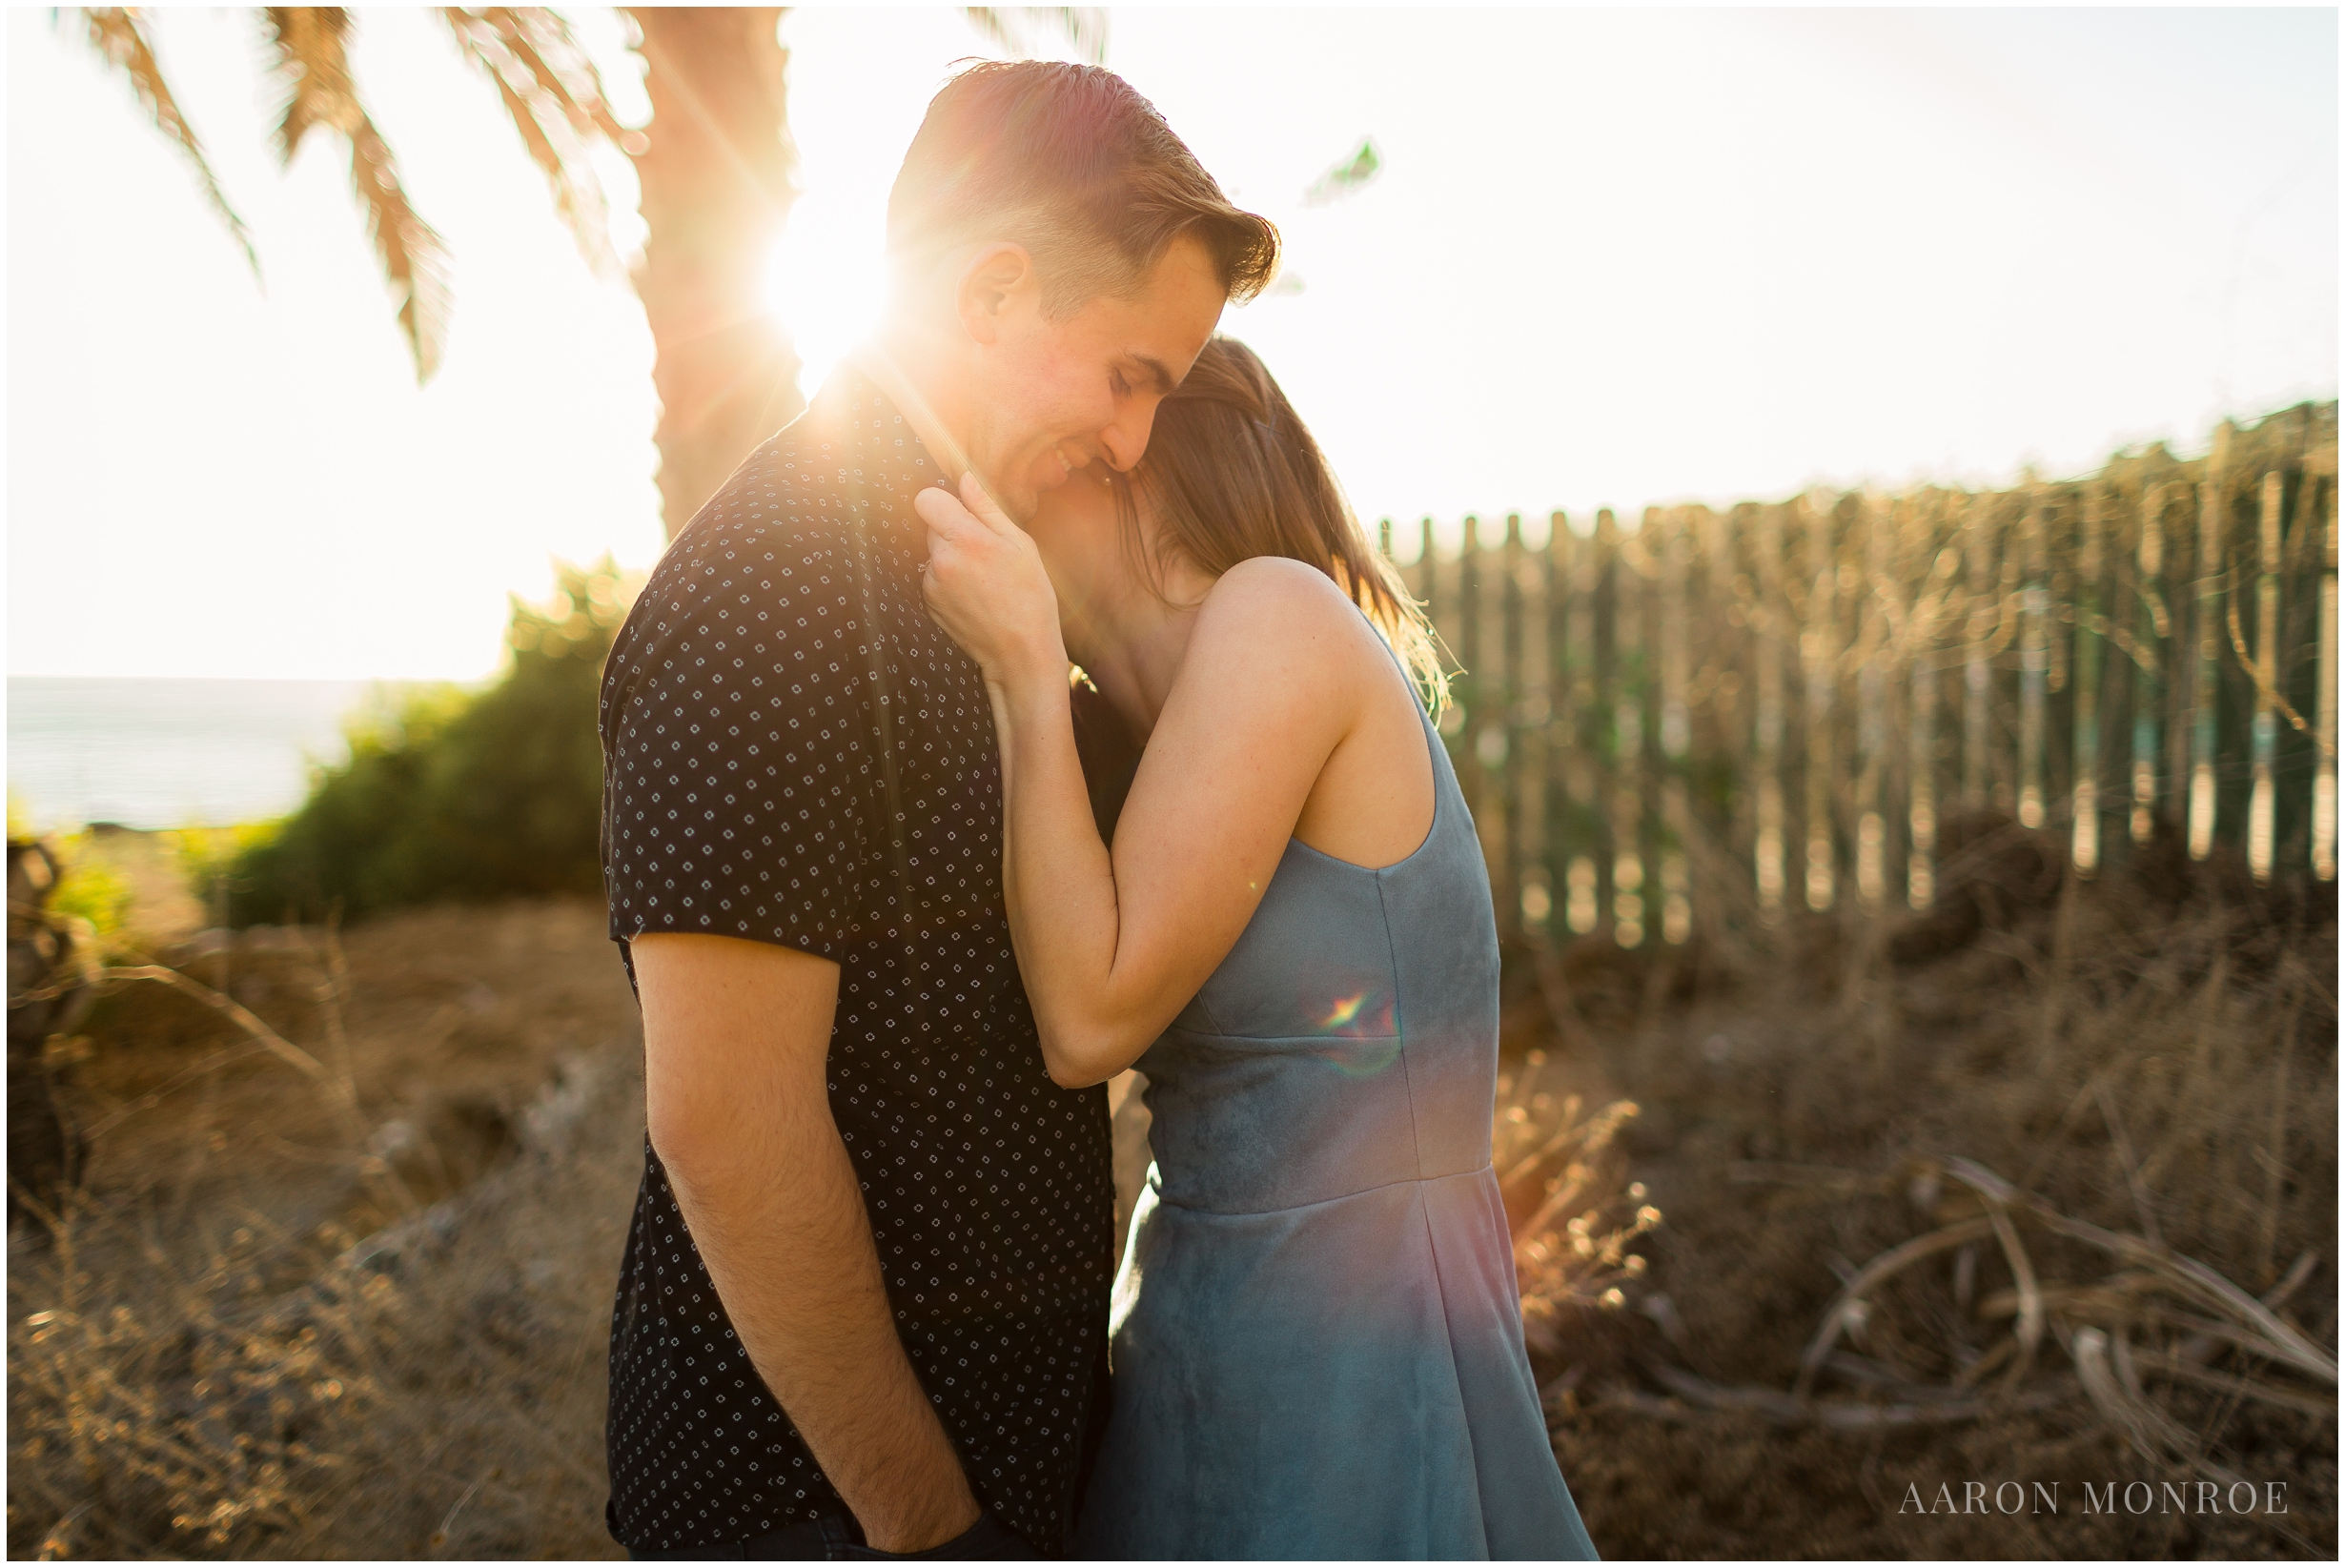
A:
(2099, 1497)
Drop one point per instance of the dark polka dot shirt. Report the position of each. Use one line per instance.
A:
(794, 752)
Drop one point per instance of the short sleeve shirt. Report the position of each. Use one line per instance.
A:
(795, 753)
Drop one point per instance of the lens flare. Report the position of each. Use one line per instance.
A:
(1362, 1058)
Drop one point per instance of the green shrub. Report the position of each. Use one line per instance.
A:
(450, 795)
(89, 888)
(206, 858)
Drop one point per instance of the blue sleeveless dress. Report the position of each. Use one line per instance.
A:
(1318, 1343)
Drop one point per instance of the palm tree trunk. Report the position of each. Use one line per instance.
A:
(716, 179)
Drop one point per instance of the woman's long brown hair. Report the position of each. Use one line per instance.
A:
(1232, 474)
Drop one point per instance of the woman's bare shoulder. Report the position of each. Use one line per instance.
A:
(1273, 631)
(1275, 602)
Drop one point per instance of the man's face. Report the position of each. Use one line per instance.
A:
(1050, 396)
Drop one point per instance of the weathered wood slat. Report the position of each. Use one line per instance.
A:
(1770, 623)
(2153, 627)
(1869, 635)
(2085, 805)
(1677, 912)
(1626, 795)
(2034, 660)
(1528, 620)
(2265, 735)
(1819, 645)
(2324, 776)
(2208, 571)
(1928, 608)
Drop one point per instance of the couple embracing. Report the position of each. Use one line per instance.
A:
(899, 892)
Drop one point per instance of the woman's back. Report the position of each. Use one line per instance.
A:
(1317, 1348)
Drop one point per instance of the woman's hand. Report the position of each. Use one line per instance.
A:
(986, 586)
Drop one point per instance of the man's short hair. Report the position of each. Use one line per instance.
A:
(1070, 162)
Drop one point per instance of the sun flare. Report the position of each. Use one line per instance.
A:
(824, 282)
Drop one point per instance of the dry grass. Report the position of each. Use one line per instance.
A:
(1986, 1196)
(204, 1359)
(440, 1398)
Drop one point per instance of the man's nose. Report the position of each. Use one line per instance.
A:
(1123, 442)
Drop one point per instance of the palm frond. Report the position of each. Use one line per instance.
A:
(312, 58)
(541, 40)
(1085, 26)
(415, 261)
(120, 39)
(553, 114)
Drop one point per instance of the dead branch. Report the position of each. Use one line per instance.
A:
(1914, 1405)
(2286, 1343)
(1850, 1303)
(2183, 1371)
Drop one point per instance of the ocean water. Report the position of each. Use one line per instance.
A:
(163, 753)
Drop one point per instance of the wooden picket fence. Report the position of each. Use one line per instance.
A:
(1720, 715)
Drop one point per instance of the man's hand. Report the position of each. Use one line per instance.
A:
(736, 1035)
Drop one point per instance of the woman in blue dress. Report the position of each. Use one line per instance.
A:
(1317, 1349)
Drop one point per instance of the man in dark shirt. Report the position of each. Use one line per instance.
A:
(863, 1306)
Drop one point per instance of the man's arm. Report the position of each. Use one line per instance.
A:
(735, 1037)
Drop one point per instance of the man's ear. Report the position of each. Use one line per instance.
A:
(994, 283)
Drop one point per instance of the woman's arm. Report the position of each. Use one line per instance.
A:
(1112, 947)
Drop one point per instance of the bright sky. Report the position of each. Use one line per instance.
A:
(1614, 257)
